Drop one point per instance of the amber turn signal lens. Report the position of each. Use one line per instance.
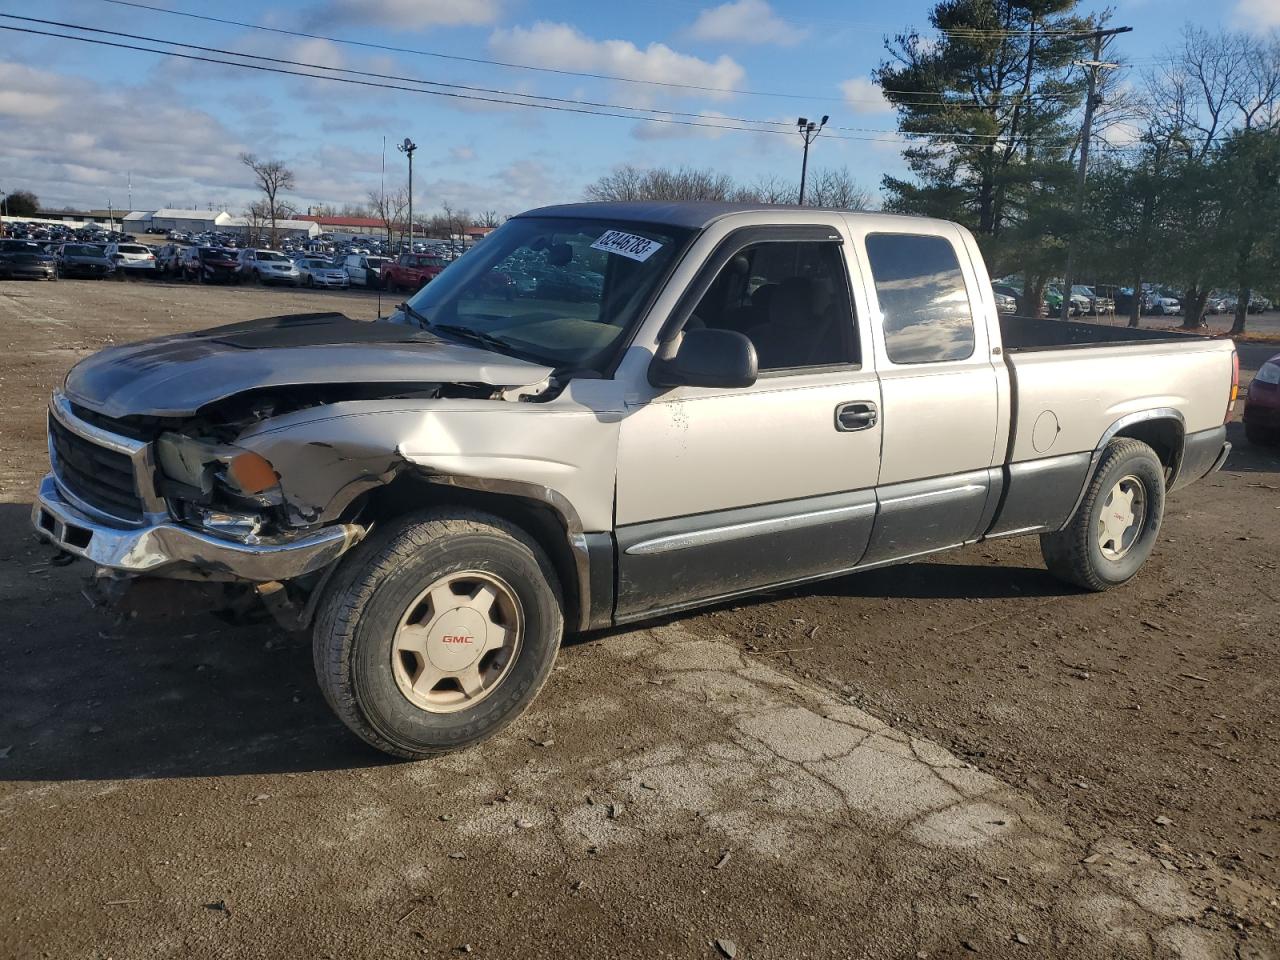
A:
(252, 473)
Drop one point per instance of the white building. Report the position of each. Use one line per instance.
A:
(286, 229)
(139, 221)
(189, 221)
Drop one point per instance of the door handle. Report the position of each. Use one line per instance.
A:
(859, 415)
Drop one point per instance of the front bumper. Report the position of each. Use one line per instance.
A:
(169, 549)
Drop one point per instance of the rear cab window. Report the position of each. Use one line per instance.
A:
(926, 313)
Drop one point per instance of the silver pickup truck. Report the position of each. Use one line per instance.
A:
(607, 412)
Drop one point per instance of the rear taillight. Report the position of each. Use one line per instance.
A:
(1235, 385)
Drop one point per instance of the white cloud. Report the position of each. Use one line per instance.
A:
(563, 47)
(864, 97)
(407, 14)
(68, 156)
(1258, 15)
(744, 21)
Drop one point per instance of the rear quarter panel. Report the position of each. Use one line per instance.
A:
(1065, 400)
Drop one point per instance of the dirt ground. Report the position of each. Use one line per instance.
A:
(941, 759)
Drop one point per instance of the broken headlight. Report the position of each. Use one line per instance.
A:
(213, 473)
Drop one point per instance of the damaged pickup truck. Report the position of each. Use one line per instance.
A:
(659, 406)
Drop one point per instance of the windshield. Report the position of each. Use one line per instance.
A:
(563, 292)
(71, 251)
(272, 257)
(318, 265)
(132, 248)
(421, 261)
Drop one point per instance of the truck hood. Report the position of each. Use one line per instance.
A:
(177, 376)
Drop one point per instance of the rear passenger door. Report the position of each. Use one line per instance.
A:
(939, 393)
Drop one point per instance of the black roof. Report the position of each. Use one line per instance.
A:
(692, 214)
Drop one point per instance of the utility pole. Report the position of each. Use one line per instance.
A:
(1086, 134)
(407, 149)
(809, 132)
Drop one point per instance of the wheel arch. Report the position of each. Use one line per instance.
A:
(543, 513)
(1163, 429)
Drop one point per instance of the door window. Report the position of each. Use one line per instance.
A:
(791, 298)
(927, 315)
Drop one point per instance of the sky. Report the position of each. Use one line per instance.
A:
(80, 123)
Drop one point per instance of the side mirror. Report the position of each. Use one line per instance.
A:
(708, 358)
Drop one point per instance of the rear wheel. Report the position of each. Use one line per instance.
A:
(1117, 523)
(438, 632)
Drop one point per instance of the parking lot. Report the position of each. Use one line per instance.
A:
(941, 759)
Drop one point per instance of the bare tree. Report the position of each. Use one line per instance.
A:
(769, 188)
(390, 209)
(836, 188)
(662, 183)
(272, 177)
(1194, 95)
(1257, 96)
(488, 219)
(623, 183)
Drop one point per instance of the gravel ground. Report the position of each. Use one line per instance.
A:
(933, 760)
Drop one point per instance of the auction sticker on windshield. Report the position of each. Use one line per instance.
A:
(627, 245)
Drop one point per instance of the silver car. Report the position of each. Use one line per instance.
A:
(316, 272)
(267, 266)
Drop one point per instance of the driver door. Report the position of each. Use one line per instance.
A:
(725, 491)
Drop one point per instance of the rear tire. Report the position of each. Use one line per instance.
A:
(376, 595)
(1116, 526)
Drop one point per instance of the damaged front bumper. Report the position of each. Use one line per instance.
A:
(168, 549)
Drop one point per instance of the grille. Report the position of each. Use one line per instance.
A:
(100, 477)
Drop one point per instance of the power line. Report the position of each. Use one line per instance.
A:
(389, 48)
(226, 21)
(498, 96)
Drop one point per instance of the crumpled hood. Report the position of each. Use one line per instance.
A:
(176, 376)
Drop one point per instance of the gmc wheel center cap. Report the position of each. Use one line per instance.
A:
(457, 637)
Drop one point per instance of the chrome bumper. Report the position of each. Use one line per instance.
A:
(169, 550)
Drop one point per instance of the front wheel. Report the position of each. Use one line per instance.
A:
(437, 632)
(1117, 523)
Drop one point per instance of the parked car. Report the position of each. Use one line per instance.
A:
(84, 260)
(411, 271)
(1262, 404)
(132, 259)
(444, 493)
(1006, 297)
(26, 259)
(267, 266)
(364, 270)
(169, 258)
(321, 273)
(210, 265)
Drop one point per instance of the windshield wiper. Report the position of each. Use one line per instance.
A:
(478, 336)
(423, 322)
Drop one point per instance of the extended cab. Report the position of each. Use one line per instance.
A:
(747, 397)
(411, 271)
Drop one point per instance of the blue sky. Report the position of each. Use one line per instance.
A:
(77, 120)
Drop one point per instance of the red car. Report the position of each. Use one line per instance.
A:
(1262, 406)
(411, 271)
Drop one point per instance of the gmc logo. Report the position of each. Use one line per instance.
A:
(456, 638)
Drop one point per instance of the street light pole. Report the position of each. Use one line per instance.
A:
(809, 132)
(407, 149)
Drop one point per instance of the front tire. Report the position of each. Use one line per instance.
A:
(1116, 526)
(437, 632)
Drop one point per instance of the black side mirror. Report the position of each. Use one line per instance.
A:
(708, 358)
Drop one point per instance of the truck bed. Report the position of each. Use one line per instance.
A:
(1024, 334)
